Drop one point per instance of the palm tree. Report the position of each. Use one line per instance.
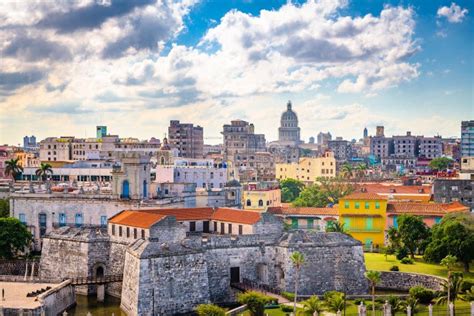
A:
(298, 260)
(451, 290)
(361, 168)
(336, 227)
(312, 305)
(396, 304)
(13, 168)
(374, 278)
(346, 171)
(44, 170)
(449, 261)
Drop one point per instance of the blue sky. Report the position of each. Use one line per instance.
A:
(135, 65)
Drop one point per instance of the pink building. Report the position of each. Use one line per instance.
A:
(5, 154)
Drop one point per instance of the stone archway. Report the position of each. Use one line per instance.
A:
(99, 272)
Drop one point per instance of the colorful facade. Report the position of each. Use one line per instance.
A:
(310, 218)
(261, 199)
(308, 169)
(364, 216)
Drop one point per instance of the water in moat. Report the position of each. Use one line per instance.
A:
(86, 304)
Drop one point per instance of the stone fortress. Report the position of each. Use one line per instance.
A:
(174, 259)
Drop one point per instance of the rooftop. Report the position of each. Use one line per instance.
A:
(425, 208)
(364, 196)
(290, 210)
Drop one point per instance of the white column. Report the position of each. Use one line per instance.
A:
(409, 311)
(451, 309)
(430, 310)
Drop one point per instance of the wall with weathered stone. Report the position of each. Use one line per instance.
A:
(402, 281)
(58, 299)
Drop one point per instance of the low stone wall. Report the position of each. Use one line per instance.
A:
(402, 281)
(58, 299)
(237, 310)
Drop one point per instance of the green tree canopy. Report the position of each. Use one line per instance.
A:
(440, 164)
(4, 208)
(14, 237)
(290, 189)
(454, 235)
(412, 232)
(325, 191)
(44, 170)
(13, 168)
(255, 302)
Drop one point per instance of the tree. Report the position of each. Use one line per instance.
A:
(451, 289)
(334, 300)
(336, 227)
(396, 304)
(290, 189)
(360, 170)
(454, 235)
(4, 208)
(440, 164)
(449, 262)
(374, 278)
(469, 295)
(43, 171)
(14, 237)
(210, 310)
(12, 168)
(255, 302)
(323, 192)
(346, 171)
(413, 232)
(312, 305)
(298, 260)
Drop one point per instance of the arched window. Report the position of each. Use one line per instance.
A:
(125, 189)
(249, 203)
(260, 202)
(78, 220)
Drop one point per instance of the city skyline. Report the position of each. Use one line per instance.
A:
(136, 66)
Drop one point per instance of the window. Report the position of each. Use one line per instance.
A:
(377, 204)
(120, 231)
(347, 222)
(22, 218)
(103, 221)
(294, 223)
(215, 226)
(369, 223)
(310, 223)
(78, 220)
(222, 228)
(367, 205)
(229, 228)
(192, 226)
(357, 205)
(143, 234)
(113, 230)
(249, 203)
(260, 202)
(346, 204)
(128, 232)
(62, 219)
(135, 233)
(241, 228)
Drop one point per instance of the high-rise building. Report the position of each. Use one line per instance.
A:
(29, 143)
(366, 133)
(101, 131)
(187, 138)
(289, 132)
(467, 138)
(341, 148)
(323, 138)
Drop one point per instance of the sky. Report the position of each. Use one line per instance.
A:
(67, 66)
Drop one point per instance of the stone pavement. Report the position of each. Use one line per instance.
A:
(15, 294)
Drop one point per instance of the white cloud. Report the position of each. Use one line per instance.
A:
(453, 13)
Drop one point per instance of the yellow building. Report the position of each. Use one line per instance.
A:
(308, 169)
(261, 199)
(364, 216)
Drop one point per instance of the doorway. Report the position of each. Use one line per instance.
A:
(234, 275)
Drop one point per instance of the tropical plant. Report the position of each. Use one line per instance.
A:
(451, 290)
(12, 168)
(210, 310)
(469, 295)
(4, 208)
(422, 294)
(360, 170)
(374, 278)
(449, 262)
(324, 192)
(396, 304)
(298, 260)
(290, 189)
(312, 305)
(346, 171)
(43, 171)
(336, 227)
(14, 237)
(255, 302)
(412, 302)
(334, 300)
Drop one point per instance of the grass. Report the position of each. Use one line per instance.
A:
(271, 312)
(377, 261)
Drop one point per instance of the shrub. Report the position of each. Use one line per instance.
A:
(357, 301)
(423, 295)
(331, 294)
(286, 308)
(288, 295)
(401, 253)
(394, 268)
(407, 260)
(210, 310)
(466, 285)
(255, 302)
(334, 300)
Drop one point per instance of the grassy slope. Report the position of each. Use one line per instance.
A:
(375, 261)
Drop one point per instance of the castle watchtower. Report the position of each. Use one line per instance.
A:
(131, 178)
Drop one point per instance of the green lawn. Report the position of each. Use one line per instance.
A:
(376, 261)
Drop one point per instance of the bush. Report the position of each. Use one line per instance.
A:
(286, 308)
(401, 253)
(394, 268)
(466, 285)
(210, 310)
(255, 302)
(357, 301)
(331, 294)
(407, 260)
(288, 295)
(423, 295)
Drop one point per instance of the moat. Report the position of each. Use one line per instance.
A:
(85, 304)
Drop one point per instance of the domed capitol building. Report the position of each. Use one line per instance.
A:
(289, 132)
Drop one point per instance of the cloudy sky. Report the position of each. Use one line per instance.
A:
(66, 66)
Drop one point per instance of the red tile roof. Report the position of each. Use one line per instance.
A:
(289, 210)
(388, 188)
(136, 219)
(364, 196)
(146, 218)
(423, 209)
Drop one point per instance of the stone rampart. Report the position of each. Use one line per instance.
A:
(58, 299)
(403, 281)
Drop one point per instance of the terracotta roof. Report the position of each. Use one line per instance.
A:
(136, 219)
(289, 210)
(363, 196)
(424, 208)
(236, 216)
(410, 197)
(382, 188)
(185, 214)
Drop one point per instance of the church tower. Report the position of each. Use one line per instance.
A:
(289, 132)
